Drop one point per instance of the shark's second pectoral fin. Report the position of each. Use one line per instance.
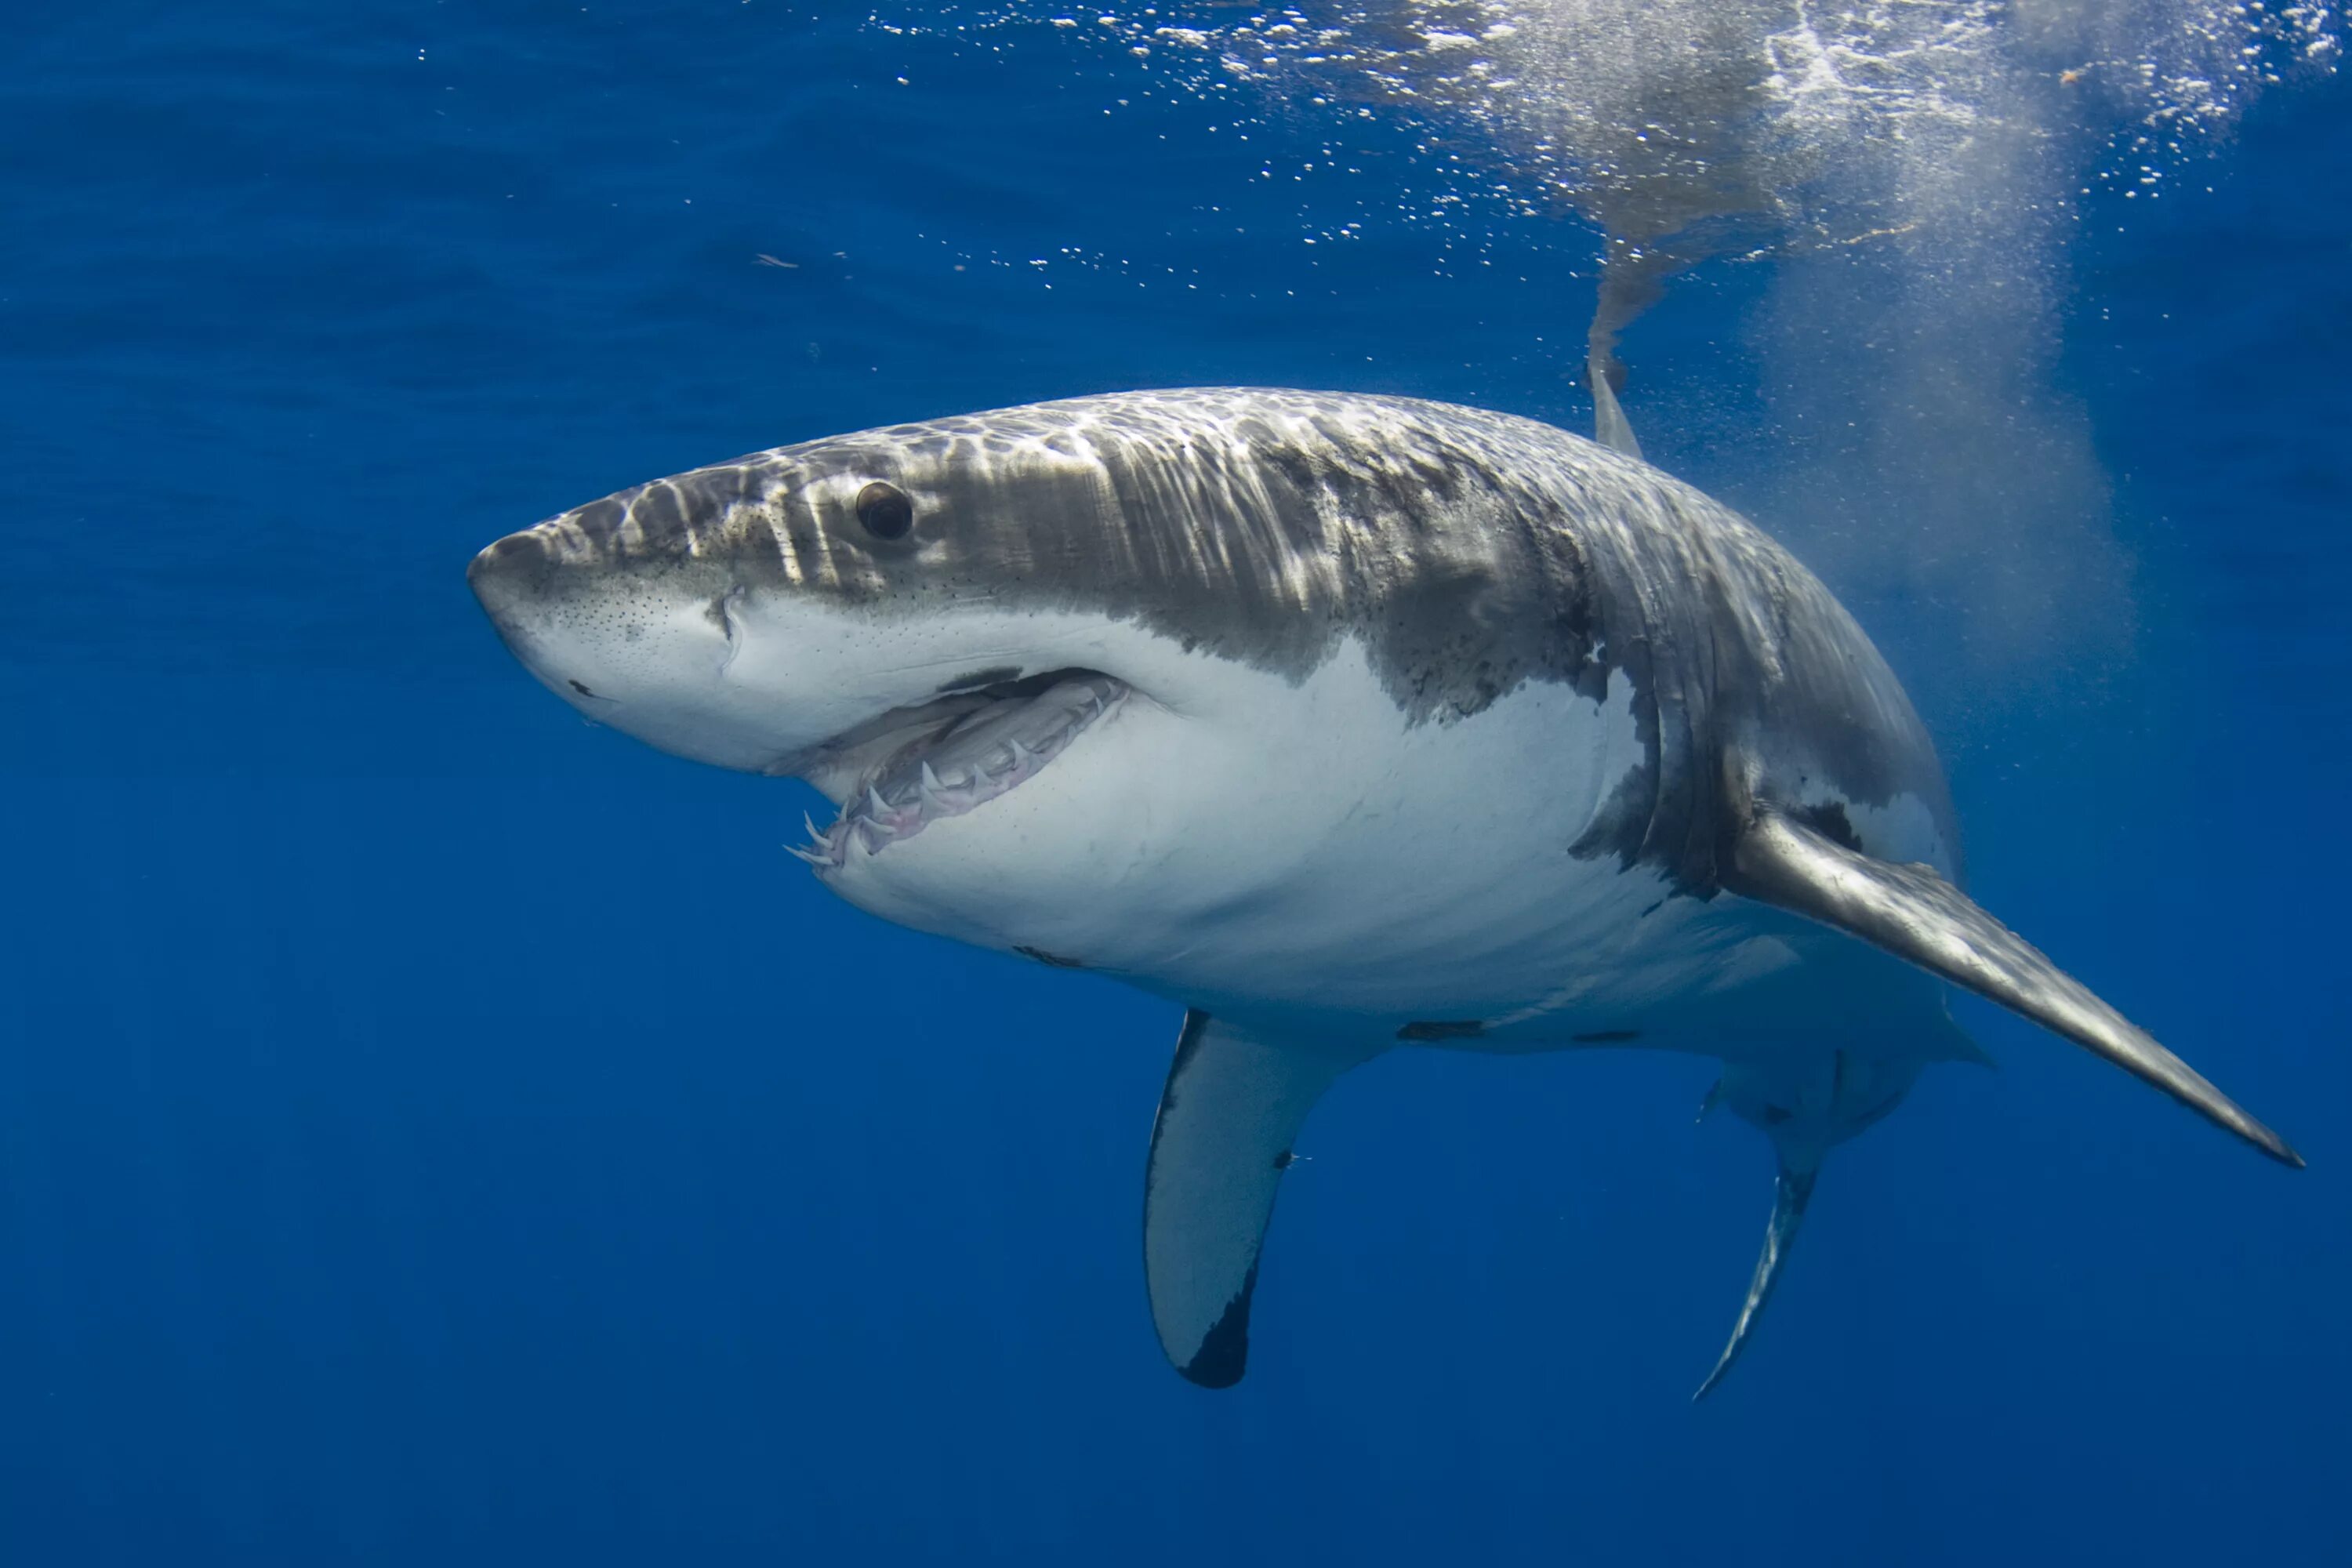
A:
(1227, 1116)
(1914, 914)
(1792, 1191)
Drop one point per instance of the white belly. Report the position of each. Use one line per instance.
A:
(1301, 854)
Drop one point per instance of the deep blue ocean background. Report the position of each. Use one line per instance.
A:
(434, 1130)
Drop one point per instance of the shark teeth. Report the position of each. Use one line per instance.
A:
(872, 819)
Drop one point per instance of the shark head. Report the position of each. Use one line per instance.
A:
(876, 615)
(767, 613)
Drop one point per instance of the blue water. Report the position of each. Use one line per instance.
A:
(434, 1130)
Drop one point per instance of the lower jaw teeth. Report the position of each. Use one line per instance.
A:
(871, 821)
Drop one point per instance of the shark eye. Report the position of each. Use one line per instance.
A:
(885, 511)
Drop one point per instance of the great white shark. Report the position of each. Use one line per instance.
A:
(1347, 723)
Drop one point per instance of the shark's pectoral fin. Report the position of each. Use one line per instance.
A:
(1227, 1116)
(1914, 914)
(1792, 1191)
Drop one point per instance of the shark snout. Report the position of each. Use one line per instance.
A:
(507, 579)
(634, 637)
(497, 570)
(551, 557)
(518, 583)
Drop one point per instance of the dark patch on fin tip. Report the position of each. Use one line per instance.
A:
(1223, 1354)
(1284, 1161)
(1605, 1037)
(996, 676)
(581, 687)
(1051, 959)
(1443, 1029)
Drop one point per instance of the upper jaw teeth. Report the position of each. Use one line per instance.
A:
(890, 802)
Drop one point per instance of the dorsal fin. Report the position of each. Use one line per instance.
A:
(1219, 1148)
(1632, 274)
(1915, 915)
(1609, 426)
(1792, 1189)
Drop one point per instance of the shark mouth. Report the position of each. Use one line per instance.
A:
(906, 770)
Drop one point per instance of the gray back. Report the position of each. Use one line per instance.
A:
(1467, 552)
